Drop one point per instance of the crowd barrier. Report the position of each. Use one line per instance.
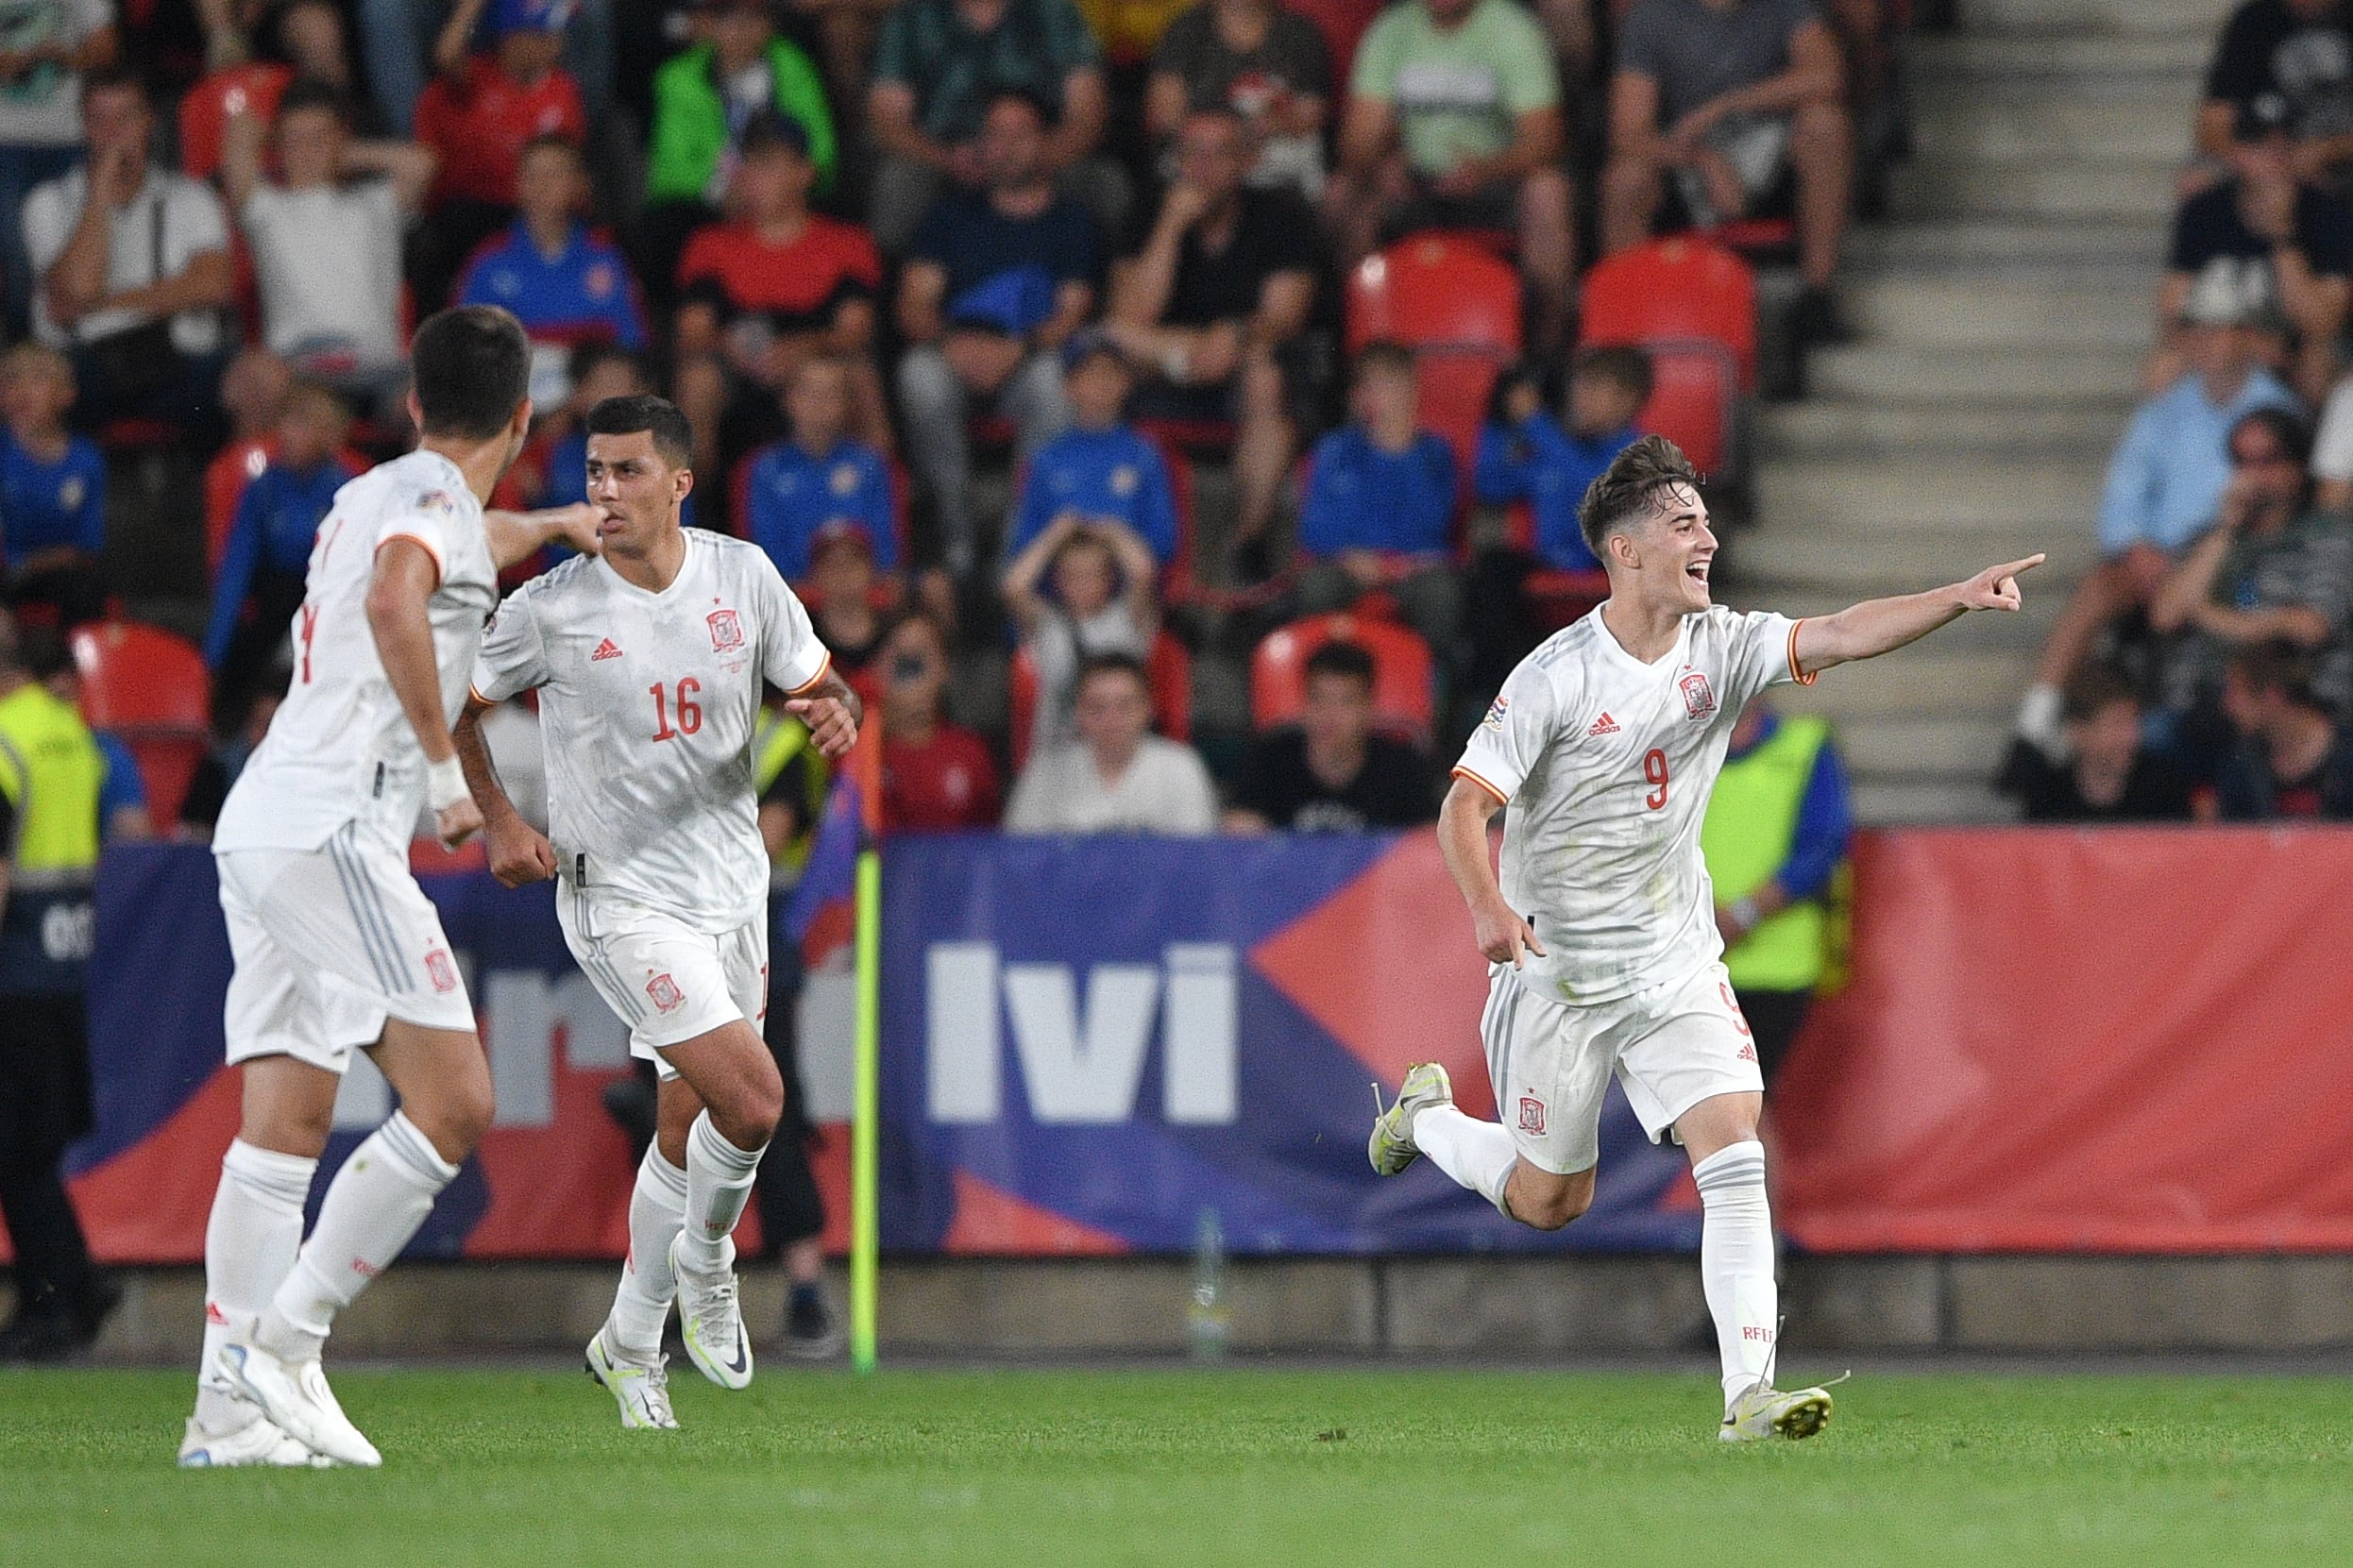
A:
(2110, 1040)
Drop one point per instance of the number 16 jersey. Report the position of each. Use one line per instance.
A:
(1605, 765)
(648, 703)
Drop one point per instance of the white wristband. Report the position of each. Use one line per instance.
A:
(445, 784)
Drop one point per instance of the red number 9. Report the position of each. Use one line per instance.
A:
(1655, 770)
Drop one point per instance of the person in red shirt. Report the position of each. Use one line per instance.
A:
(480, 114)
(936, 778)
(765, 291)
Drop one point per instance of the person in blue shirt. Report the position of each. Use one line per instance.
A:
(1102, 468)
(52, 490)
(1378, 513)
(260, 582)
(820, 478)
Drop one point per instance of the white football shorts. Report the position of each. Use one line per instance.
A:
(329, 943)
(1671, 1046)
(662, 977)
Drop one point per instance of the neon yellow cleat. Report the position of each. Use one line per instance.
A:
(1392, 1145)
(1765, 1412)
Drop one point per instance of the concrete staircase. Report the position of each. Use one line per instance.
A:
(2004, 309)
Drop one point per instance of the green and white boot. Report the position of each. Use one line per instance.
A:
(1392, 1145)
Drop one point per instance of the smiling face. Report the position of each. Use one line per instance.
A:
(636, 489)
(1664, 557)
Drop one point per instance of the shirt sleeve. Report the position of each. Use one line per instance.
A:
(880, 509)
(1193, 799)
(94, 496)
(1500, 464)
(194, 222)
(2332, 449)
(1640, 48)
(430, 517)
(1530, 79)
(1375, 73)
(1764, 653)
(1156, 511)
(2128, 496)
(894, 50)
(1510, 740)
(513, 655)
(236, 575)
(791, 656)
(47, 225)
(2237, 70)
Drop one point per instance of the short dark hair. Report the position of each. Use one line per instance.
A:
(642, 411)
(1113, 664)
(1034, 102)
(1342, 657)
(2290, 429)
(311, 92)
(473, 369)
(2277, 665)
(587, 357)
(122, 73)
(1385, 354)
(1625, 365)
(773, 131)
(1627, 485)
(2096, 687)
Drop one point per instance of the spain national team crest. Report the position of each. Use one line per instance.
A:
(443, 973)
(726, 631)
(1531, 1114)
(665, 992)
(1699, 700)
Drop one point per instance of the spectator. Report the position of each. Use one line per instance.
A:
(261, 576)
(1380, 505)
(253, 393)
(818, 479)
(1454, 122)
(402, 39)
(123, 817)
(704, 97)
(936, 778)
(1741, 102)
(1211, 301)
(1331, 773)
(2271, 568)
(567, 285)
(479, 116)
(48, 45)
(326, 240)
(938, 64)
(2108, 775)
(1101, 469)
(52, 492)
(132, 270)
(2289, 759)
(995, 281)
(764, 292)
(1776, 828)
(1261, 59)
(1082, 588)
(311, 36)
(1116, 776)
(2292, 60)
(2164, 482)
(841, 597)
(2292, 245)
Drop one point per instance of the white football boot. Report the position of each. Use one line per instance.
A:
(710, 1320)
(296, 1397)
(1391, 1147)
(1763, 1411)
(644, 1392)
(258, 1441)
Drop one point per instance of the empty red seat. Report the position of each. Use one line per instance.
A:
(1435, 290)
(1682, 289)
(1404, 695)
(151, 688)
(253, 87)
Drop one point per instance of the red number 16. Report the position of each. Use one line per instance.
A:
(689, 712)
(1655, 770)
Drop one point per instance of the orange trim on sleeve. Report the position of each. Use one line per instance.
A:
(441, 567)
(1462, 772)
(812, 682)
(1800, 677)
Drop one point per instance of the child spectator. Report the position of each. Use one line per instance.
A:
(760, 294)
(936, 778)
(818, 478)
(1100, 469)
(1381, 502)
(1100, 601)
(2110, 775)
(253, 393)
(269, 544)
(52, 491)
(1116, 776)
(2290, 759)
(1527, 456)
(1331, 773)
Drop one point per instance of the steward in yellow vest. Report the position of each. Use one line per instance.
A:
(1776, 831)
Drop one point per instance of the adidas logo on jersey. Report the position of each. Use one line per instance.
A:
(1604, 725)
(605, 649)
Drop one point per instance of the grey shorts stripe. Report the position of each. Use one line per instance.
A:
(383, 953)
(594, 957)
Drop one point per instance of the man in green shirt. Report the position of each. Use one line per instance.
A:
(1454, 122)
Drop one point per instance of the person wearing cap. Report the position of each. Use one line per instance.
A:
(2165, 482)
(819, 480)
(1102, 469)
(766, 290)
(2297, 237)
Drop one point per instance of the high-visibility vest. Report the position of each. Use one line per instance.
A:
(778, 739)
(1751, 822)
(51, 771)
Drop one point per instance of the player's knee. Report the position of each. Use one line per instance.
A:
(753, 1108)
(458, 1115)
(1552, 1207)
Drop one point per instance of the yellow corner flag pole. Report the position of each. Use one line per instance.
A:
(866, 1125)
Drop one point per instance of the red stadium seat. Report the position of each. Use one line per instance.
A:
(1343, 24)
(251, 89)
(1458, 306)
(1404, 696)
(1169, 668)
(1695, 400)
(149, 687)
(1676, 290)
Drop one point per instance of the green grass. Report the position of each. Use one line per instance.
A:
(1378, 1469)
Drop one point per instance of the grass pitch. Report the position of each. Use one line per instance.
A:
(1376, 1469)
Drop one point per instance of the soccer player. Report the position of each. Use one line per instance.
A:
(650, 662)
(335, 944)
(1601, 936)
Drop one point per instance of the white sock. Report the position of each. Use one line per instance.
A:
(1737, 1261)
(1478, 1155)
(719, 1180)
(373, 1207)
(657, 1208)
(249, 1244)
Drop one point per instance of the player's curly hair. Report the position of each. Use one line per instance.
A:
(1622, 495)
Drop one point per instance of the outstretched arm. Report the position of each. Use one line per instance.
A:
(1879, 626)
(516, 536)
(519, 854)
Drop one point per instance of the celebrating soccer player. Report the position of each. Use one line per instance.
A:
(650, 662)
(1600, 936)
(335, 944)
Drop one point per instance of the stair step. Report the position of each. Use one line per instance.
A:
(1891, 803)
(1824, 428)
(1929, 496)
(2087, 250)
(2082, 57)
(1926, 677)
(2075, 189)
(1952, 312)
(2171, 20)
(1968, 120)
(1925, 747)
(2006, 378)
(1841, 566)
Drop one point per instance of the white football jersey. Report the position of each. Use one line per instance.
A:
(340, 748)
(648, 703)
(1606, 764)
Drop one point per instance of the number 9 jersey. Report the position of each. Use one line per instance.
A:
(648, 703)
(1605, 765)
